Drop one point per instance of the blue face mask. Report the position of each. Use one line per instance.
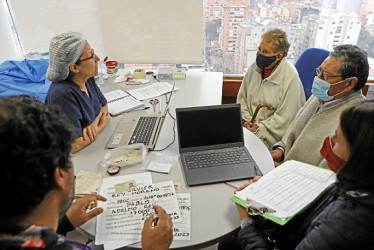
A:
(320, 89)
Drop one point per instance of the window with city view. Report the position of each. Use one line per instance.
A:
(233, 28)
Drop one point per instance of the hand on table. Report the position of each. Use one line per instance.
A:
(77, 213)
(160, 236)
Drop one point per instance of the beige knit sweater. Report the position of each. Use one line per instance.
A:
(304, 137)
(282, 89)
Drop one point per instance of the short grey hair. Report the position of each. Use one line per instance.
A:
(354, 63)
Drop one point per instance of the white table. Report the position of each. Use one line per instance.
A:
(213, 215)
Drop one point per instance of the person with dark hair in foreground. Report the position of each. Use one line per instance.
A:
(345, 221)
(37, 184)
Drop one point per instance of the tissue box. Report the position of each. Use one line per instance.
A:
(165, 74)
(139, 74)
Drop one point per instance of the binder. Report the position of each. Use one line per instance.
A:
(285, 190)
(120, 102)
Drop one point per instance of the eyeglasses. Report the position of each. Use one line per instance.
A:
(324, 74)
(88, 58)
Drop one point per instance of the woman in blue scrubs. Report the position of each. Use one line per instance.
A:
(72, 66)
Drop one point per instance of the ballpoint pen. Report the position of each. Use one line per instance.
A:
(231, 185)
(159, 111)
(155, 217)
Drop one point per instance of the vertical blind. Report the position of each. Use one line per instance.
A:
(129, 31)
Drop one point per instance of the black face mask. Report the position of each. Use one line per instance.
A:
(264, 61)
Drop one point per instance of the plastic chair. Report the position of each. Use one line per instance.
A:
(306, 65)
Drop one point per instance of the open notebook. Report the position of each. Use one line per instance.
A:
(120, 102)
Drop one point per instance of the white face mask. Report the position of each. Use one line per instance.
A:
(320, 89)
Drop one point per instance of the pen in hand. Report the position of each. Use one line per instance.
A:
(155, 217)
(231, 185)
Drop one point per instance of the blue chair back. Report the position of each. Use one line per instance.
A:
(306, 65)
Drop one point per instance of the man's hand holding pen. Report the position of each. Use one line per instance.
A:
(157, 236)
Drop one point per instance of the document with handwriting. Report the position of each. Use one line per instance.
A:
(288, 188)
(125, 212)
(182, 230)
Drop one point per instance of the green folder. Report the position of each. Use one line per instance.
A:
(267, 216)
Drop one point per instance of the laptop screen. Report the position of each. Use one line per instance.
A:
(209, 127)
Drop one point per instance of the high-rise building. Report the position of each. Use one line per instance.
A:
(234, 13)
(309, 30)
(249, 38)
(337, 28)
(213, 9)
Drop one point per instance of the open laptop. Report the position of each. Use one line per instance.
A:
(133, 128)
(211, 144)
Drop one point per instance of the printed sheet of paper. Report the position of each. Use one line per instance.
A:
(289, 187)
(140, 179)
(86, 183)
(151, 91)
(125, 212)
(114, 95)
(182, 230)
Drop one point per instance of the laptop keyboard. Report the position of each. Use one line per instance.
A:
(143, 130)
(213, 159)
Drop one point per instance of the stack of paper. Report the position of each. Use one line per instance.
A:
(287, 189)
(153, 90)
(124, 213)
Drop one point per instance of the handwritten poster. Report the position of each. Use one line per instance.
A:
(182, 230)
(125, 212)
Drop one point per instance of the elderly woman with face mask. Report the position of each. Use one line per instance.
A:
(272, 80)
(73, 64)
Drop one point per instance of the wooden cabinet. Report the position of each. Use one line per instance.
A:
(230, 88)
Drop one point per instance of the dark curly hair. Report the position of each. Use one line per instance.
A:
(354, 63)
(357, 124)
(35, 139)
